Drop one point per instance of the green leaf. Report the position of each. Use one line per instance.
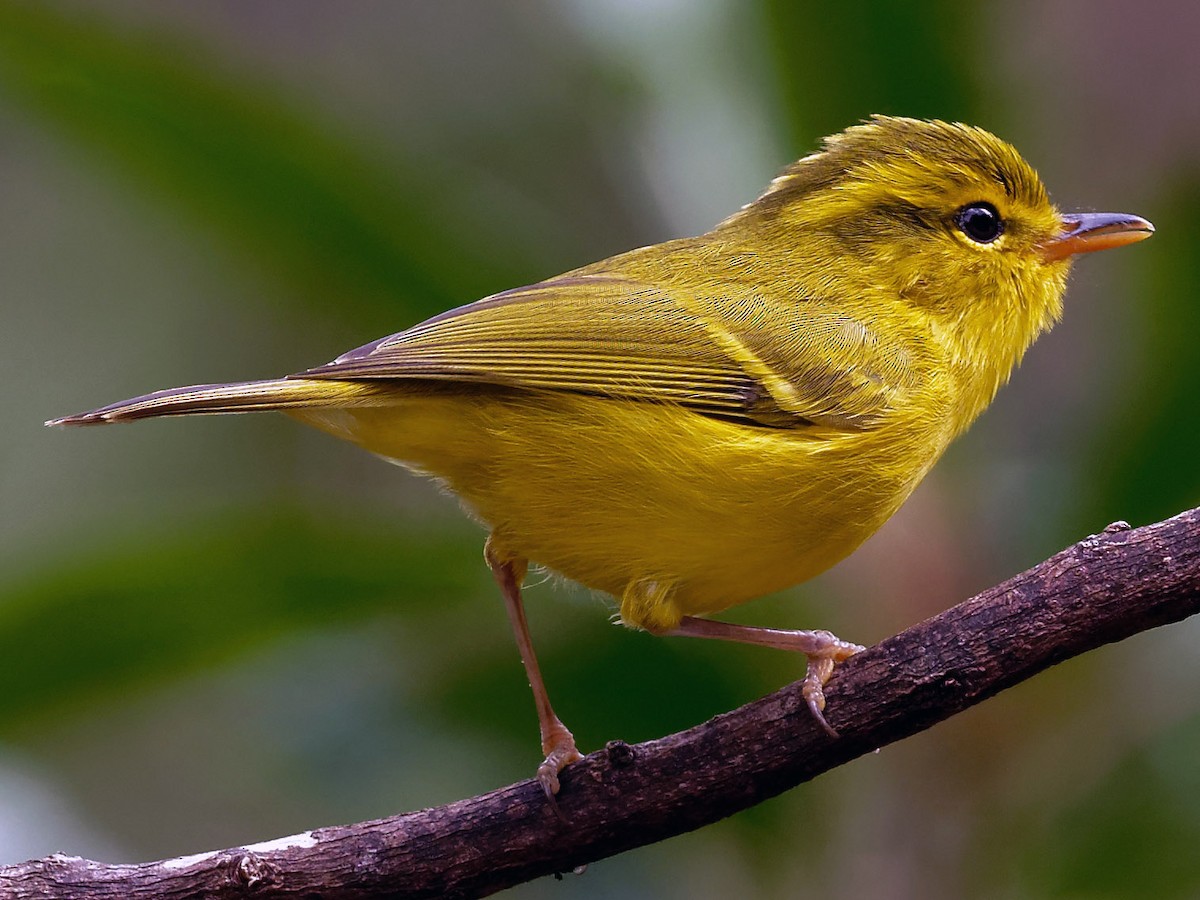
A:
(147, 607)
(1146, 462)
(837, 63)
(278, 187)
(1135, 835)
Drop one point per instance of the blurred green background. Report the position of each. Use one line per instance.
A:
(215, 632)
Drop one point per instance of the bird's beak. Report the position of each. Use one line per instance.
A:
(1085, 232)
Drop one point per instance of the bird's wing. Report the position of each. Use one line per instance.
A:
(735, 357)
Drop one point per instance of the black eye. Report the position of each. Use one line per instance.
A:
(980, 222)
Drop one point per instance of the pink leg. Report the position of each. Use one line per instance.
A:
(824, 651)
(558, 744)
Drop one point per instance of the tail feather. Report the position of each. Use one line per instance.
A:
(243, 396)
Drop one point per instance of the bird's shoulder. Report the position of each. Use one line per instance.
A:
(717, 343)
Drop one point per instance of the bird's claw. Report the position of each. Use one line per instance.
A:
(556, 760)
(820, 670)
(559, 746)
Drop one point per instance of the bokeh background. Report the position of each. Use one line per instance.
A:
(215, 632)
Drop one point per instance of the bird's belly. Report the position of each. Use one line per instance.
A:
(702, 513)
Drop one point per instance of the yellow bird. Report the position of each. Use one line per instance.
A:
(693, 424)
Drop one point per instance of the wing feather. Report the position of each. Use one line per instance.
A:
(732, 353)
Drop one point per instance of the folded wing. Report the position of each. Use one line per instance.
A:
(731, 354)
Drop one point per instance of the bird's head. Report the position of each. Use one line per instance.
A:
(945, 217)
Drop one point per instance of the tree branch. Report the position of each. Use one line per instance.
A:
(1101, 590)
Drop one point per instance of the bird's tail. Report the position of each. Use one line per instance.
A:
(242, 396)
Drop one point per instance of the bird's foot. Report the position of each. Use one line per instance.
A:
(823, 649)
(559, 746)
(822, 659)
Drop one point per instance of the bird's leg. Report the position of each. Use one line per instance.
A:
(824, 651)
(558, 744)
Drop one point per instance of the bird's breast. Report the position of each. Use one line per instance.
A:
(611, 493)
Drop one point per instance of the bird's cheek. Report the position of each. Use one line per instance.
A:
(1053, 269)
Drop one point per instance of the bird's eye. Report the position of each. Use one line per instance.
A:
(980, 222)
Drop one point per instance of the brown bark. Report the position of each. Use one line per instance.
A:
(1103, 589)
